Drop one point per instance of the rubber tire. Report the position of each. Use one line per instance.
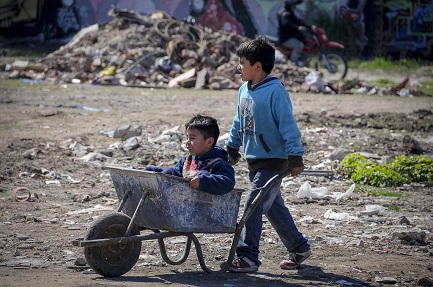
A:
(336, 60)
(112, 260)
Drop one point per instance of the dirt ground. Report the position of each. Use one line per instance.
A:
(47, 129)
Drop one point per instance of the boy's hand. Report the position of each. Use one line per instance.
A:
(297, 170)
(194, 182)
(234, 155)
(296, 164)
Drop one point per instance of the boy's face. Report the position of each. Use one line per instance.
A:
(196, 143)
(248, 72)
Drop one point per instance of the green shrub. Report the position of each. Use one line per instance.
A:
(377, 175)
(402, 170)
(414, 168)
(351, 162)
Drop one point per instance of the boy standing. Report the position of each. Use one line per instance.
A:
(266, 129)
(205, 164)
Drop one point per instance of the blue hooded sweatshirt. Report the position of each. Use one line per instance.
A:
(215, 174)
(264, 124)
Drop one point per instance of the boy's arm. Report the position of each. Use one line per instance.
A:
(234, 142)
(220, 180)
(176, 170)
(290, 132)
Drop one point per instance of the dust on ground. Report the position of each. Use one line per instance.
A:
(46, 129)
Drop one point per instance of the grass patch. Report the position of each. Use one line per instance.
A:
(383, 83)
(379, 192)
(427, 87)
(387, 193)
(394, 207)
(381, 64)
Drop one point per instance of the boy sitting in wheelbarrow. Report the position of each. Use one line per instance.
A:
(205, 164)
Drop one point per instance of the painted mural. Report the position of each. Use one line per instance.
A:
(405, 27)
(410, 26)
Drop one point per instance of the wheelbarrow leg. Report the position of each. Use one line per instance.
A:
(123, 201)
(137, 210)
(164, 255)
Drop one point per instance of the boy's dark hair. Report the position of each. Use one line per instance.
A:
(206, 125)
(258, 50)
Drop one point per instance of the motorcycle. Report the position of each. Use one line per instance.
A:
(330, 64)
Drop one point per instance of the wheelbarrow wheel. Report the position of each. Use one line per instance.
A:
(112, 260)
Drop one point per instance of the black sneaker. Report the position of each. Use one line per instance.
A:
(243, 265)
(295, 260)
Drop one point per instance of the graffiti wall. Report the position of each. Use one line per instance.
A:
(406, 25)
(409, 27)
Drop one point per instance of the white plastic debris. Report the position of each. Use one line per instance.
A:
(306, 191)
(373, 209)
(347, 194)
(340, 216)
(313, 79)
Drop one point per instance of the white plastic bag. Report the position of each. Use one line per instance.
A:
(313, 79)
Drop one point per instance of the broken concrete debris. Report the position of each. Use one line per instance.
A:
(159, 51)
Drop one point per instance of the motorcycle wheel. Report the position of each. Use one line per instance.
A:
(332, 66)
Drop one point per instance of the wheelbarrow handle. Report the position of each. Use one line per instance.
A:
(259, 197)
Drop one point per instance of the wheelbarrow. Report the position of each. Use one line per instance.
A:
(162, 206)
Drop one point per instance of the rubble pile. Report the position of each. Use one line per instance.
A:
(159, 51)
(152, 50)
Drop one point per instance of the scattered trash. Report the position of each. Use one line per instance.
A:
(346, 194)
(81, 107)
(313, 79)
(52, 182)
(108, 71)
(339, 216)
(22, 194)
(402, 84)
(306, 191)
(313, 172)
(385, 280)
(373, 209)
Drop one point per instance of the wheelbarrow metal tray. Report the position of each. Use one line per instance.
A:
(172, 204)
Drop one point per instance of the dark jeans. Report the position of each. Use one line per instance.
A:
(278, 215)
